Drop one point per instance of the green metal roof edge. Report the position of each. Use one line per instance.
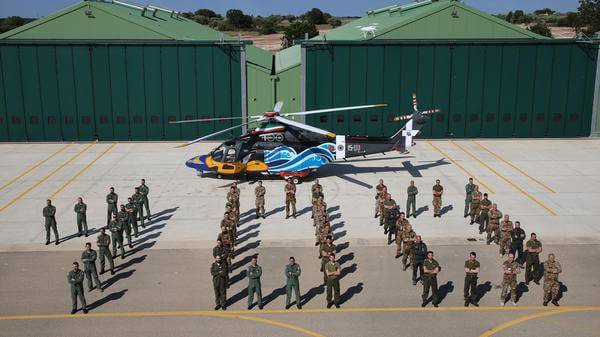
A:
(135, 23)
(42, 20)
(310, 43)
(122, 42)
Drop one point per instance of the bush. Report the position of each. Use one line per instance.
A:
(207, 13)
(334, 22)
(540, 28)
(238, 19)
(268, 25)
(315, 16)
(297, 30)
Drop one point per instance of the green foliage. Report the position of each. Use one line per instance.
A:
(268, 25)
(12, 22)
(297, 30)
(334, 22)
(238, 19)
(540, 28)
(589, 16)
(207, 13)
(316, 16)
(546, 11)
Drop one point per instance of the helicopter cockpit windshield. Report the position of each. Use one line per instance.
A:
(224, 153)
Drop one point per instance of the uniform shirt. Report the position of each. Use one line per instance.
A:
(533, 244)
(419, 249)
(75, 278)
(517, 234)
(379, 188)
(221, 251)
(431, 265)
(412, 191)
(438, 190)
(218, 270)
(137, 198)
(112, 198)
(88, 258)
(495, 215)
(292, 272)
(290, 190)
(80, 208)
(131, 209)
(115, 226)
(408, 237)
(260, 191)
(331, 267)
(469, 188)
(506, 226)
(144, 190)
(551, 270)
(254, 272)
(485, 204)
(314, 187)
(476, 197)
(103, 240)
(328, 247)
(225, 238)
(122, 215)
(389, 204)
(513, 267)
(49, 211)
(472, 265)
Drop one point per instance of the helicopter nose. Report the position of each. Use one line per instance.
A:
(197, 163)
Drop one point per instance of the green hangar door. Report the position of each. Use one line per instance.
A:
(516, 88)
(54, 91)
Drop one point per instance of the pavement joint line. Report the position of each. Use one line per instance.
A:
(529, 196)
(24, 193)
(300, 311)
(469, 174)
(514, 166)
(24, 173)
(76, 175)
(522, 319)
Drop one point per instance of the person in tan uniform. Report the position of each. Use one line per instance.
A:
(259, 193)
(290, 198)
(438, 190)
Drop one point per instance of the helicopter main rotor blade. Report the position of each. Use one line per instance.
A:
(414, 101)
(278, 106)
(215, 133)
(205, 120)
(310, 112)
(304, 127)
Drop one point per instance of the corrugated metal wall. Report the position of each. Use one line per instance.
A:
(484, 88)
(51, 91)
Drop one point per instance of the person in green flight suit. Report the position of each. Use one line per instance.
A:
(292, 274)
(111, 200)
(131, 209)
(116, 233)
(138, 199)
(469, 188)
(103, 241)
(75, 279)
(254, 273)
(123, 216)
(144, 190)
(49, 213)
(88, 257)
(80, 209)
(411, 201)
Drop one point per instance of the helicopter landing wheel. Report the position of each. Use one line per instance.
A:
(296, 180)
(219, 176)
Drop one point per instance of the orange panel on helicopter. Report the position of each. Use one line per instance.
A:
(256, 166)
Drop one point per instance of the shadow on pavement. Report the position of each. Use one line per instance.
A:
(444, 290)
(350, 292)
(107, 298)
(273, 295)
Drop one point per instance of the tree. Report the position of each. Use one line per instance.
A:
(315, 16)
(207, 13)
(238, 19)
(540, 28)
(297, 30)
(268, 25)
(334, 22)
(12, 22)
(546, 11)
(509, 17)
(589, 15)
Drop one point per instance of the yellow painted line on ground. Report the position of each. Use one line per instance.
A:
(24, 193)
(514, 166)
(469, 174)
(529, 196)
(279, 324)
(12, 181)
(76, 175)
(519, 320)
(296, 311)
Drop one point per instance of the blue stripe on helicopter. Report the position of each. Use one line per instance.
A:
(310, 158)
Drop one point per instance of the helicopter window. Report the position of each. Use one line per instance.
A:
(323, 119)
(230, 157)
(217, 153)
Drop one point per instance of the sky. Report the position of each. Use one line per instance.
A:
(38, 8)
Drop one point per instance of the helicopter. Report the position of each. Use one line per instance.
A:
(292, 150)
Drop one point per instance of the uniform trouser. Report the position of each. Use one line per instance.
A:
(504, 242)
(532, 267)
(399, 245)
(382, 218)
(292, 285)
(551, 288)
(437, 205)
(260, 207)
(419, 266)
(391, 231)
(484, 221)
(475, 210)
(82, 227)
(333, 290)
(133, 224)
(112, 209)
(127, 230)
(147, 205)
(104, 252)
(220, 287)
(91, 272)
(509, 284)
(377, 207)
(406, 252)
(140, 208)
(117, 238)
(51, 224)
(77, 291)
(470, 286)
(290, 202)
(254, 287)
(468, 201)
(430, 282)
(411, 203)
(493, 228)
(516, 248)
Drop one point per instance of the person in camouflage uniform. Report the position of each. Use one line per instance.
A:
(469, 189)
(259, 193)
(438, 191)
(223, 251)
(551, 284)
(494, 225)
(218, 270)
(400, 226)
(324, 233)
(49, 213)
(326, 247)
(391, 220)
(316, 191)
(123, 216)
(103, 243)
(138, 199)
(510, 269)
(484, 214)
(380, 191)
(227, 240)
(111, 200)
(131, 209)
(408, 239)
(388, 205)
(80, 210)
(88, 257)
(506, 227)
(116, 233)
(290, 198)
(144, 190)
(475, 205)
(411, 200)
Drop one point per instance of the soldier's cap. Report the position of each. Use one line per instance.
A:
(75, 263)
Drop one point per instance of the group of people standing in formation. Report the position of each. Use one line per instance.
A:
(224, 251)
(498, 228)
(120, 221)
